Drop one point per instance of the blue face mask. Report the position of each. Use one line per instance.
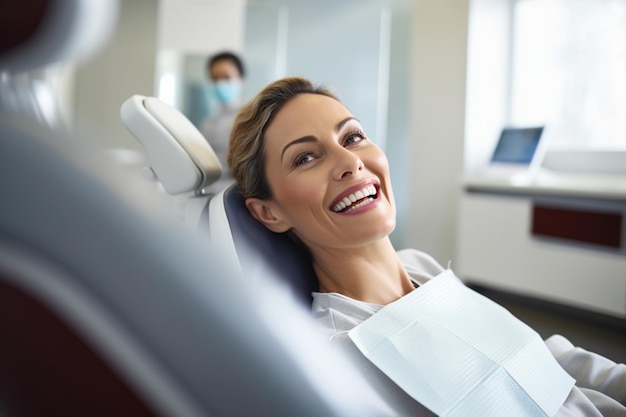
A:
(227, 91)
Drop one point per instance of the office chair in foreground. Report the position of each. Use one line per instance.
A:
(110, 309)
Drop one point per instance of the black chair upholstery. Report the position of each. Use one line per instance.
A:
(262, 252)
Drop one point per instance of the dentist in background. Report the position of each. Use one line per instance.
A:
(226, 72)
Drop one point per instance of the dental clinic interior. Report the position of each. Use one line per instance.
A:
(440, 86)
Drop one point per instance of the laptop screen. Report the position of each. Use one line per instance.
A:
(517, 145)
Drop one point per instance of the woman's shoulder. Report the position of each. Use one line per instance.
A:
(420, 265)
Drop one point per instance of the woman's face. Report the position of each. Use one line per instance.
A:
(330, 183)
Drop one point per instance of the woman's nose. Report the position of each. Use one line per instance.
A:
(347, 163)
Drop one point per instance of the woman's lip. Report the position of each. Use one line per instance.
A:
(354, 189)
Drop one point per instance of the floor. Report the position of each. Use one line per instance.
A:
(602, 334)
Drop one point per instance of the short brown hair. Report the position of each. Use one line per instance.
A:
(246, 155)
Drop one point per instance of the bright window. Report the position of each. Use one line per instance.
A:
(569, 71)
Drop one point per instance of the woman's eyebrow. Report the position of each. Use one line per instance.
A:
(344, 121)
(310, 138)
(303, 139)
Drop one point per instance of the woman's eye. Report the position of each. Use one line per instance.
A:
(354, 137)
(302, 159)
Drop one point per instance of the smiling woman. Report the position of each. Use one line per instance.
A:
(305, 166)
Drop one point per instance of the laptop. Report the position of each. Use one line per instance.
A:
(517, 151)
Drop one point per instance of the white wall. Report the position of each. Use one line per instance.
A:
(399, 115)
(201, 27)
(125, 67)
(488, 79)
(438, 78)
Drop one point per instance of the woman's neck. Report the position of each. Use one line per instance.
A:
(373, 273)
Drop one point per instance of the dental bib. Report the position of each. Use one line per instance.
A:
(460, 354)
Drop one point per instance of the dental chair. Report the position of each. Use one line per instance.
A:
(181, 160)
(108, 308)
(184, 162)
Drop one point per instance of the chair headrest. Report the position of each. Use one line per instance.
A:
(261, 253)
(179, 155)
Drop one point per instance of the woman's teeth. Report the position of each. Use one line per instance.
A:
(348, 203)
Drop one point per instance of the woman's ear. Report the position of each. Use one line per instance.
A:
(262, 211)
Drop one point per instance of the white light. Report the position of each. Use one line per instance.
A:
(167, 89)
